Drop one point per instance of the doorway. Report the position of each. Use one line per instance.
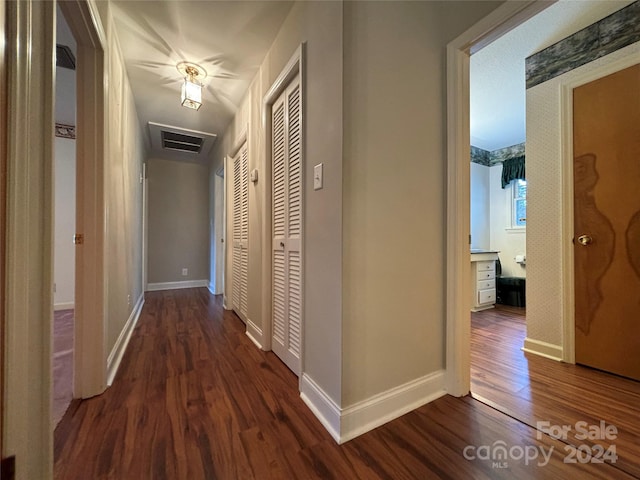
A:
(549, 175)
(90, 376)
(498, 220)
(64, 218)
(218, 234)
(541, 404)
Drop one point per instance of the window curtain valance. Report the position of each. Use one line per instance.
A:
(512, 169)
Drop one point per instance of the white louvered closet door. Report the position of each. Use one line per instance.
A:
(240, 266)
(287, 226)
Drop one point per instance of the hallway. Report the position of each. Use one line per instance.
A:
(194, 399)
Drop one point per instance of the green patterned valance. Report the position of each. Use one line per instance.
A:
(512, 169)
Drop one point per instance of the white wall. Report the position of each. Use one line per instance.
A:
(65, 223)
(394, 191)
(123, 191)
(546, 239)
(508, 241)
(178, 221)
(481, 207)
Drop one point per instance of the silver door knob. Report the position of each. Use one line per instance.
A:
(585, 240)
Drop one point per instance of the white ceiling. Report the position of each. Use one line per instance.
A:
(498, 70)
(228, 38)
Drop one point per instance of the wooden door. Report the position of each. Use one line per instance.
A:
(240, 264)
(606, 144)
(287, 226)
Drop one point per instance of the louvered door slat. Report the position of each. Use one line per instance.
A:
(240, 258)
(279, 321)
(278, 172)
(236, 231)
(279, 226)
(244, 167)
(294, 303)
(244, 231)
(294, 163)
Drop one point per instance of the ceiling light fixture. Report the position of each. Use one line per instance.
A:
(192, 87)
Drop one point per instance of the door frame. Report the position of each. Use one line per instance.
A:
(28, 305)
(90, 365)
(458, 318)
(295, 66)
(568, 233)
(3, 203)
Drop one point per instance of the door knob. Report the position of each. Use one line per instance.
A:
(282, 244)
(585, 240)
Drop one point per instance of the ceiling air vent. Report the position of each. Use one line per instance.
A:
(65, 57)
(180, 142)
(175, 143)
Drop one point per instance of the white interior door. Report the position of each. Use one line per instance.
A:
(287, 226)
(219, 231)
(240, 265)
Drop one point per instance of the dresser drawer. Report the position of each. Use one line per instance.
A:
(486, 275)
(486, 284)
(488, 266)
(487, 296)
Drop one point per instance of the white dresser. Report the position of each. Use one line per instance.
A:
(483, 279)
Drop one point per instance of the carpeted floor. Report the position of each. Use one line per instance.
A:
(62, 362)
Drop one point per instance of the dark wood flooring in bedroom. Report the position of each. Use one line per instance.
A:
(195, 399)
(62, 362)
(534, 389)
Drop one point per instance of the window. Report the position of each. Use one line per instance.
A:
(519, 206)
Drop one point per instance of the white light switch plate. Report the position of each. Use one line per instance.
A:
(317, 177)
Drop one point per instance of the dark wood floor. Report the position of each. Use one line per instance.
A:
(194, 399)
(62, 362)
(533, 389)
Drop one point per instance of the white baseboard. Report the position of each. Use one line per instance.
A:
(153, 287)
(211, 288)
(345, 424)
(115, 357)
(544, 349)
(322, 406)
(64, 306)
(386, 406)
(255, 334)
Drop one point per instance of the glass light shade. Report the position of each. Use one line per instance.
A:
(191, 94)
